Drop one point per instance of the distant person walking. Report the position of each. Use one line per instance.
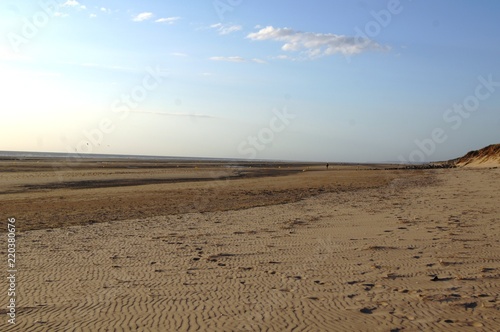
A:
(327, 165)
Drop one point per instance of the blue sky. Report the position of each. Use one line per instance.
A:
(298, 80)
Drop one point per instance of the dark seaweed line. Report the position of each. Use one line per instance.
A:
(88, 184)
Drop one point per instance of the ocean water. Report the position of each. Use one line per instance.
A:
(29, 155)
(22, 155)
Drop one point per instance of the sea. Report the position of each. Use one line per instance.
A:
(26, 155)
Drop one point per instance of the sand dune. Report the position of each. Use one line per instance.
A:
(418, 254)
(486, 157)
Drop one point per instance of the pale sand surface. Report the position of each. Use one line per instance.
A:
(420, 253)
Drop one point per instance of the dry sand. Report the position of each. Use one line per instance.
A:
(339, 250)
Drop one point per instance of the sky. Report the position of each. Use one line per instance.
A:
(332, 80)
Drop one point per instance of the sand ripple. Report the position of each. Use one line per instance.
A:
(407, 257)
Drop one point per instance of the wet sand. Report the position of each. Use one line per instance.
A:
(47, 193)
(287, 248)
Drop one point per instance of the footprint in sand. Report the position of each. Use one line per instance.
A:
(367, 310)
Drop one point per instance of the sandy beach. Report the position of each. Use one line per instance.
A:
(282, 247)
(241, 166)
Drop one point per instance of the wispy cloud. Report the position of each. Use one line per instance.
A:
(71, 3)
(259, 61)
(283, 57)
(237, 59)
(225, 29)
(316, 45)
(228, 58)
(143, 17)
(168, 20)
(59, 14)
(74, 4)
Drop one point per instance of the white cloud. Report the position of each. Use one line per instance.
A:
(283, 57)
(92, 15)
(179, 54)
(104, 10)
(74, 4)
(142, 17)
(259, 61)
(71, 3)
(228, 58)
(168, 20)
(237, 59)
(316, 45)
(224, 29)
(59, 14)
